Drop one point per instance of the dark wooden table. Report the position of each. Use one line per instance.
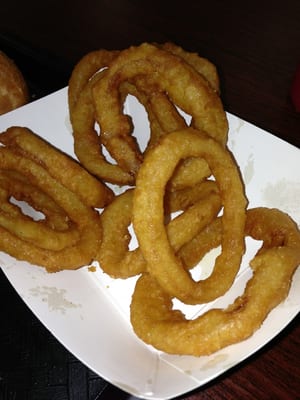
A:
(256, 47)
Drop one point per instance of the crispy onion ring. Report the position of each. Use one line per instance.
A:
(82, 115)
(148, 215)
(86, 137)
(69, 248)
(273, 267)
(191, 93)
(114, 256)
(162, 114)
(26, 143)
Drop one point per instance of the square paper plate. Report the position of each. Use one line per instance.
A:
(89, 313)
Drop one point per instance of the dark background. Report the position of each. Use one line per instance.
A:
(256, 48)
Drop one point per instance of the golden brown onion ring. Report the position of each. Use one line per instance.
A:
(156, 323)
(86, 219)
(82, 116)
(191, 93)
(163, 115)
(148, 215)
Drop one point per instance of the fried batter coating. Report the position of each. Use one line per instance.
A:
(48, 242)
(13, 88)
(114, 256)
(148, 215)
(155, 321)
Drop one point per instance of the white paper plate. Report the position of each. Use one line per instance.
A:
(89, 313)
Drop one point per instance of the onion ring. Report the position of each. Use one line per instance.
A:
(163, 115)
(273, 266)
(191, 93)
(85, 218)
(148, 215)
(86, 144)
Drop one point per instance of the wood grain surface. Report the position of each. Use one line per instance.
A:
(256, 48)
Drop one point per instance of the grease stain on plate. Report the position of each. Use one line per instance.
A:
(284, 195)
(55, 298)
(249, 170)
(215, 360)
(240, 124)
(68, 124)
(235, 126)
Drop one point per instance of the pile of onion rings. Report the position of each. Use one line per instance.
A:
(178, 159)
(183, 195)
(98, 88)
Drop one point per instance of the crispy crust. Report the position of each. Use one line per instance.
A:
(114, 255)
(148, 218)
(155, 321)
(13, 88)
(43, 242)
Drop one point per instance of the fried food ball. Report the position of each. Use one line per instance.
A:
(13, 87)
